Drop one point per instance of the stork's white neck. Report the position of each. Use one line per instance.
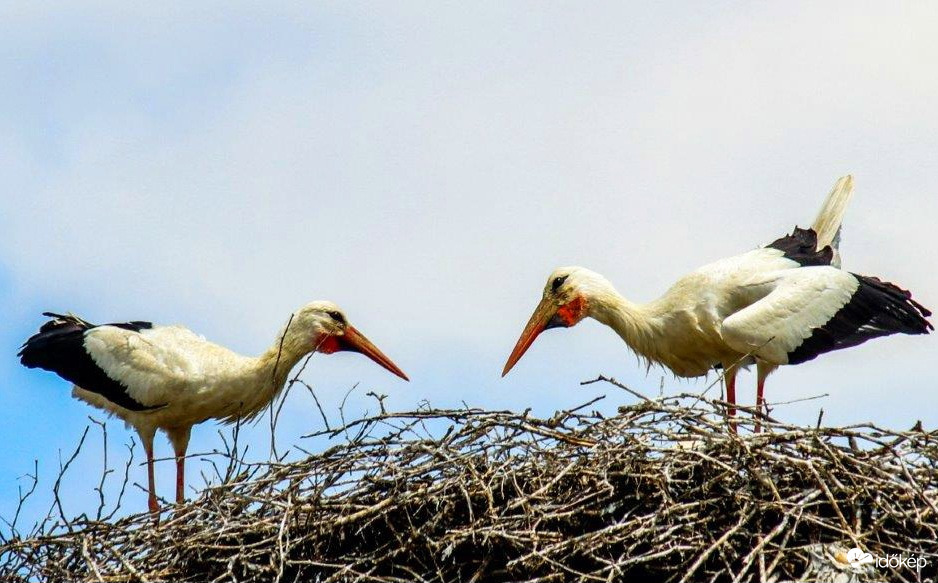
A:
(277, 362)
(265, 377)
(638, 325)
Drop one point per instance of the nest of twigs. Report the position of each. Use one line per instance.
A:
(661, 492)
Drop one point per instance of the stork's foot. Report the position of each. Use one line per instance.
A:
(731, 420)
(762, 412)
(730, 380)
(154, 508)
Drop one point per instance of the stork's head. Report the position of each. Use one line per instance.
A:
(323, 327)
(569, 296)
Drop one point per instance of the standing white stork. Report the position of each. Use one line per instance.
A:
(784, 303)
(169, 378)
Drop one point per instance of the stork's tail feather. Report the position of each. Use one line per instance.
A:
(829, 218)
(40, 348)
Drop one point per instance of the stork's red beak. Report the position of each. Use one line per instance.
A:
(354, 341)
(544, 317)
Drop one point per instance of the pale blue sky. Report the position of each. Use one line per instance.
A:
(426, 165)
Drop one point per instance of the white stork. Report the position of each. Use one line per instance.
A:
(784, 303)
(169, 378)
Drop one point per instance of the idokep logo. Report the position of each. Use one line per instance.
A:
(857, 556)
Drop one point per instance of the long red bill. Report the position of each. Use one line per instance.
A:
(542, 316)
(355, 341)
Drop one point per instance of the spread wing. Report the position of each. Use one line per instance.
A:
(813, 310)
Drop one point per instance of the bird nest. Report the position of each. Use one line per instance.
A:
(663, 491)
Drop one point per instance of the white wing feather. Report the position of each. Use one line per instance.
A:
(802, 299)
(154, 364)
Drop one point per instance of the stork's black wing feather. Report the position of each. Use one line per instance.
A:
(801, 247)
(59, 347)
(877, 308)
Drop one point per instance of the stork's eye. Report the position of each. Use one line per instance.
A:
(337, 316)
(558, 281)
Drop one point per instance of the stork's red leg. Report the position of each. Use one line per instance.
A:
(729, 377)
(760, 403)
(151, 483)
(180, 478)
(731, 394)
(179, 437)
(763, 371)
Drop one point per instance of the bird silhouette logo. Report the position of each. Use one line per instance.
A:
(857, 556)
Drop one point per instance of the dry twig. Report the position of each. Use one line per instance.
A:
(660, 492)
